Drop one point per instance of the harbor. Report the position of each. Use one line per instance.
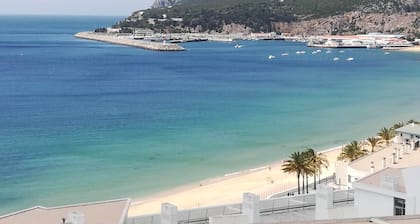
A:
(127, 41)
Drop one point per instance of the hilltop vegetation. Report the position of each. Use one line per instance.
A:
(257, 15)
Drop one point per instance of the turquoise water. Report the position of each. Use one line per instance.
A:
(83, 121)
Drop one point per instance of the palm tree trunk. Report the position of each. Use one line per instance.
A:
(298, 176)
(307, 184)
(315, 181)
(303, 184)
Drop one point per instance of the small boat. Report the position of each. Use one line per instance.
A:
(328, 52)
(350, 59)
(336, 59)
(314, 52)
(341, 51)
(271, 57)
(318, 51)
(285, 54)
(386, 53)
(238, 46)
(300, 52)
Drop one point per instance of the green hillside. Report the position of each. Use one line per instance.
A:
(258, 15)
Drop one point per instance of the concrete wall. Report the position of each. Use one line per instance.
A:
(370, 204)
(229, 219)
(412, 187)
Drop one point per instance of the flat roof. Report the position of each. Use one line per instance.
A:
(404, 219)
(105, 212)
(375, 179)
(410, 129)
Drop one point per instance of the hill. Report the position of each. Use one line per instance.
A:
(270, 15)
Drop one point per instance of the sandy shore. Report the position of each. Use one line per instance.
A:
(264, 181)
(411, 49)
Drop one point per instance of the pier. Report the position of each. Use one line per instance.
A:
(127, 41)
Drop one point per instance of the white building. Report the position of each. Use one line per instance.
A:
(409, 136)
(105, 212)
(389, 192)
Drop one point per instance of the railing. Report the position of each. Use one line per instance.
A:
(267, 207)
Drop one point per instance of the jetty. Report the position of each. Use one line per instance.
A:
(128, 41)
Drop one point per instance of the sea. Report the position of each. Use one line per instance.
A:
(88, 121)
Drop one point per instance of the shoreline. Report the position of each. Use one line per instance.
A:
(264, 180)
(413, 49)
(119, 40)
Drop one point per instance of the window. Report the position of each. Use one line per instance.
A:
(399, 206)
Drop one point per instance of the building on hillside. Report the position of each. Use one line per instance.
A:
(105, 212)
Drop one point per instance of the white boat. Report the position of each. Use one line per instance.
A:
(318, 51)
(285, 54)
(328, 52)
(341, 51)
(386, 53)
(350, 59)
(238, 46)
(336, 59)
(271, 57)
(314, 52)
(300, 52)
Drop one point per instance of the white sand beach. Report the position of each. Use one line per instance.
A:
(263, 181)
(411, 49)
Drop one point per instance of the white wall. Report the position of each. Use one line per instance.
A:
(412, 187)
(370, 204)
(229, 219)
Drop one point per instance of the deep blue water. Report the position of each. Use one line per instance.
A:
(83, 120)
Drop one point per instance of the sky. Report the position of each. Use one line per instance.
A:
(73, 7)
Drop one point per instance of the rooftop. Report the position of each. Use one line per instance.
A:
(410, 129)
(376, 179)
(409, 219)
(109, 212)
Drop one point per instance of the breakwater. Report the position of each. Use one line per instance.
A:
(123, 40)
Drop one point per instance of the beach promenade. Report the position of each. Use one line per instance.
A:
(263, 181)
(122, 40)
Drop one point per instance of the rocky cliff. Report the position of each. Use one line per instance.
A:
(282, 16)
(356, 22)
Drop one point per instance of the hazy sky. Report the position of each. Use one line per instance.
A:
(73, 7)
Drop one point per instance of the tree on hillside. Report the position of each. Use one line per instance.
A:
(351, 152)
(295, 164)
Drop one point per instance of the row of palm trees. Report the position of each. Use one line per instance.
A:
(354, 150)
(305, 164)
(309, 163)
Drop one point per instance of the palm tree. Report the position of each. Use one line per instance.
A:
(412, 121)
(316, 163)
(373, 141)
(398, 125)
(386, 134)
(351, 152)
(295, 164)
